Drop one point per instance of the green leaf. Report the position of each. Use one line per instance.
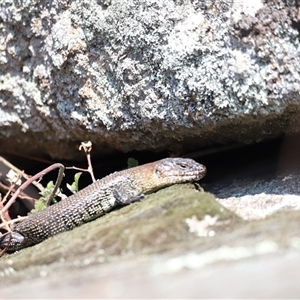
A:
(40, 203)
(47, 190)
(74, 187)
(131, 162)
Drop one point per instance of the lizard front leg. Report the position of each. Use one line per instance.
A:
(123, 198)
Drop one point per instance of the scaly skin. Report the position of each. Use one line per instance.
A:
(119, 188)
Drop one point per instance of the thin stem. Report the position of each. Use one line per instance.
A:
(57, 183)
(4, 216)
(6, 223)
(18, 171)
(87, 148)
(90, 168)
(32, 179)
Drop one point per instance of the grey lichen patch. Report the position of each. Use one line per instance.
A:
(274, 71)
(136, 75)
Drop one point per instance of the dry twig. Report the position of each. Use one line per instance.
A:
(32, 179)
(87, 148)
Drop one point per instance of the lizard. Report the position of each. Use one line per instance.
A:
(119, 188)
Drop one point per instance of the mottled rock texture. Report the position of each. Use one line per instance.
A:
(146, 75)
(147, 249)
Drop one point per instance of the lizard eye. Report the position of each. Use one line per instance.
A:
(183, 166)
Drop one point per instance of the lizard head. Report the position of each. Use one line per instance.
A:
(177, 170)
(162, 173)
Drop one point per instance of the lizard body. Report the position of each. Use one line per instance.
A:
(119, 188)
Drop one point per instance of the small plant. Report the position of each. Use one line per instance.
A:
(41, 203)
(47, 195)
(74, 187)
(131, 162)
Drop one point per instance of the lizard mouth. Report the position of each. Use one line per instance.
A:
(194, 175)
(190, 170)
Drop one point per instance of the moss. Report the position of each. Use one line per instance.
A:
(153, 225)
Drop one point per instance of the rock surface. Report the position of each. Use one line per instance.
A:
(159, 75)
(148, 249)
(146, 75)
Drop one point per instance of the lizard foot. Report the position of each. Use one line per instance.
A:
(123, 200)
